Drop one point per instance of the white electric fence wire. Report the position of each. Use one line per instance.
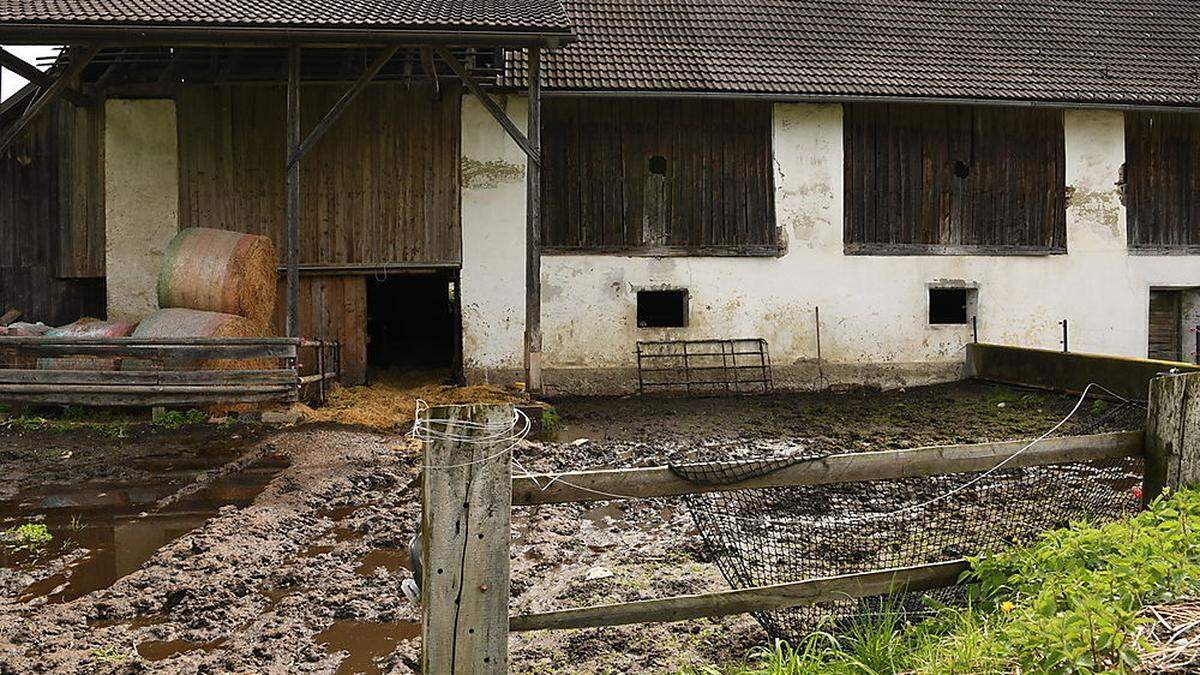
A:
(507, 433)
(513, 431)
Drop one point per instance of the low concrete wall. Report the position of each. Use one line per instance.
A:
(1071, 372)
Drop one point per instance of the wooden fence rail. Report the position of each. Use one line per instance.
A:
(591, 486)
(152, 372)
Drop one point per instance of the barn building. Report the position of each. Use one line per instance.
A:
(867, 186)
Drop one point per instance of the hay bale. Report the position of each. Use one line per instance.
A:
(219, 271)
(185, 323)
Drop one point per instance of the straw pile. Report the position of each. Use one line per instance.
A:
(391, 400)
(220, 271)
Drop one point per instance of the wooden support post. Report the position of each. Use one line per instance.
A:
(1172, 434)
(466, 507)
(293, 193)
(533, 236)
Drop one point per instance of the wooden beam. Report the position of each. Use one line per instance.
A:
(78, 63)
(292, 208)
(10, 316)
(490, 103)
(761, 598)
(591, 486)
(1172, 434)
(342, 103)
(533, 231)
(465, 520)
(44, 80)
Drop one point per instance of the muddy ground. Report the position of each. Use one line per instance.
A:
(219, 548)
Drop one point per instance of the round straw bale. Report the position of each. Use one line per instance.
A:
(181, 323)
(219, 271)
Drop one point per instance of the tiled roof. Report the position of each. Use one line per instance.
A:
(1111, 51)
(534, 15)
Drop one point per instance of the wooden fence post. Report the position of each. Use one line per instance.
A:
(465, 514)
(1172, 434)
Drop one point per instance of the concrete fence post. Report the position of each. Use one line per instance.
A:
(1172, 434)
(466, 507)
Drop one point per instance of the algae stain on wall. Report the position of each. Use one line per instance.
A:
(491, 174)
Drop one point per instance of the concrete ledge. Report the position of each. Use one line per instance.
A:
(1068, 372)
(804, 376)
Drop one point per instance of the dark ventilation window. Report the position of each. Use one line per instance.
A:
(948, 305)
(657, 165)
(662, 309)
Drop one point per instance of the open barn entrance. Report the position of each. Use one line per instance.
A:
(412, 325)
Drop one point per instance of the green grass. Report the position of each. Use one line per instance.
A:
(1068, 603)
(550, 420)
(173, 419)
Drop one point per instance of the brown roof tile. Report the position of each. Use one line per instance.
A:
(1099, 51)
(538, 15)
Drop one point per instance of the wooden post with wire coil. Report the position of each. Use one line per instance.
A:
(1172, 434)
(466, 511)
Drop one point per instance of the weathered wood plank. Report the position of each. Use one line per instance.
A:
(465, 519)
(762, 598)
(1172, 434)
(131, 377)
(600, 485)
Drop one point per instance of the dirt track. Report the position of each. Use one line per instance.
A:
(312, 565)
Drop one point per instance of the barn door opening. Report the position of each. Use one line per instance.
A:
(414, 326)
(1166, 318)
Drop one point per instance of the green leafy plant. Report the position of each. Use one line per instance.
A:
(173, 419)
(1100, 406)
(550, 420)
(110, 654)
(27, 537)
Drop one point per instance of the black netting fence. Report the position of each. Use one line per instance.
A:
(781, 535)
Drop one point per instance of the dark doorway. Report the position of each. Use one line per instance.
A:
(412, 323)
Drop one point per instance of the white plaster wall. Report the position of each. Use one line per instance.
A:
(493, 233)
(141, 200)
(873, 309)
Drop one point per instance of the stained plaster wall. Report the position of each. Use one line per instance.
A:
(873, 310)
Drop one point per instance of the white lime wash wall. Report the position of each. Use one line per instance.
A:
(874, 322)
(141, 200)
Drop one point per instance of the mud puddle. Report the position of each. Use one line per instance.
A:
(365, 642)
(105, 531)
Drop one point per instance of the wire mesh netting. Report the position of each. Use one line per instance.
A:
(781, 535)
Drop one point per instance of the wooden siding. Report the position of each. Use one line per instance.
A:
(599, 193)
(382, 187)
(332, 308)
(1162, 174)
(49, 227)
(1165, 325)
(954, 179)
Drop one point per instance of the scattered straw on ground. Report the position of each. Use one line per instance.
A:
(390, 401)
(1172, 636)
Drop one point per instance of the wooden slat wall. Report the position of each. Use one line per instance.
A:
(599, 194)
(1165, 325)
(332, 308)
(381, 187)
(906, 192)
(47, 230)
(1162, 176)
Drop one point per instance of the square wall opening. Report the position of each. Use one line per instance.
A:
(662, 308)
(951, 306)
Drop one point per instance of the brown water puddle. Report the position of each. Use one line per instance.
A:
(115, 530)
(157, 650)
(365, 642)
(391, 559)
